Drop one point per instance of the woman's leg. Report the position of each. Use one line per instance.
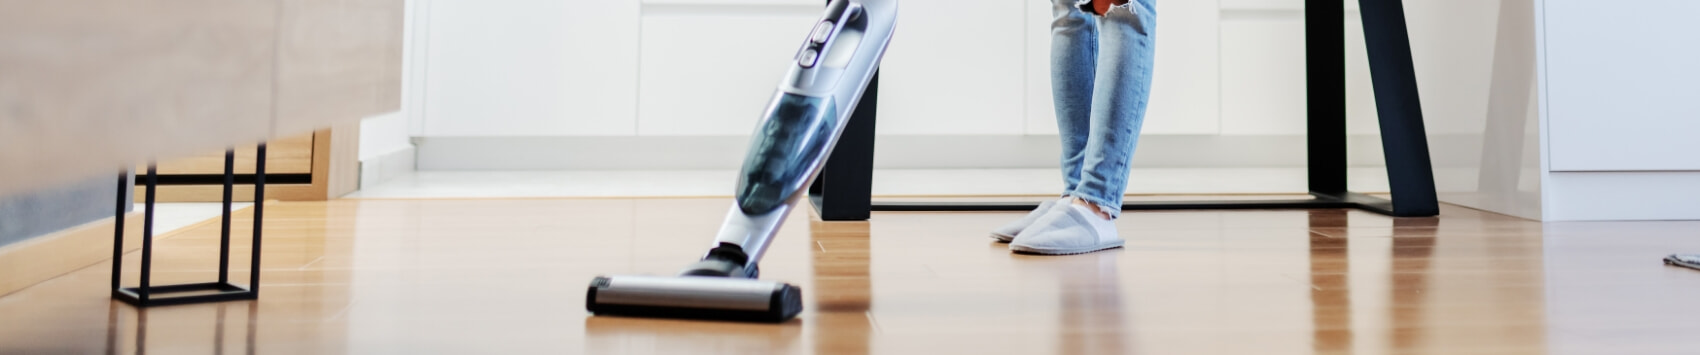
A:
(1126, 49)
(1121, 82)
(1074, 57)
(1074, 52)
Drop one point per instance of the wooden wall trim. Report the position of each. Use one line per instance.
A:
(43, 258)
(344, 160)
(335, 169)
(321, 164)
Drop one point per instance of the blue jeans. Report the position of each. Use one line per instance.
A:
(1101, 83)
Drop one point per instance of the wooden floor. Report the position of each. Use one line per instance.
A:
(509, 277)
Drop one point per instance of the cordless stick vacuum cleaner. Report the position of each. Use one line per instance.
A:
(802, 123)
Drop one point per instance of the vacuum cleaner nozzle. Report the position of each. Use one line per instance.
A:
(696, 297)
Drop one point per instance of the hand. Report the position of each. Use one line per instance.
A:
(1103, 6)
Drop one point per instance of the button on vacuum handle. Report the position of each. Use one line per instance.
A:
(808, 58)
(838, 14)
(822, 31)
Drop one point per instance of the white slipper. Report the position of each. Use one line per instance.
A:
(1008, 231)
(1072, 230)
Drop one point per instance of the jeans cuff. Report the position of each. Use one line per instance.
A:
(1114, 211)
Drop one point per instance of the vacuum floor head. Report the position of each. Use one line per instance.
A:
(1691, 261)
(694, 297)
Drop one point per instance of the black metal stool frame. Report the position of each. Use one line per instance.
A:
(148, 294)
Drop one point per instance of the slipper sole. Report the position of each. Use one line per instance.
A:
(1062, 251)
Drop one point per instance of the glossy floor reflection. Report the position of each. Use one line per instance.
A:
(508, 276)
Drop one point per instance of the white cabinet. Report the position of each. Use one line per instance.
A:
(530, 68)
(1263, 72)
(710, 69)
(1186, 91)
(1453, 48)
(954, 68)
(705, 67)
(1186, 94)
(1621, 93)
(1263, 66)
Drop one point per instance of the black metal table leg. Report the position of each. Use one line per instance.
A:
(259, 219)
(1410, 174)
(147, 294)
(1404, 141)
(841, 191)
(1325, 97)
(224, 219)
(118, 227)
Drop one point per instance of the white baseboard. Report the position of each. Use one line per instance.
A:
(1622, 196)
(897, 152)
(386, 166)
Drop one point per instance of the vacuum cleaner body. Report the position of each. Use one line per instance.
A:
(800, 127)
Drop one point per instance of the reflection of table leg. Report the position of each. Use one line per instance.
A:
(843, 287)
(253, 323)
(1412, 253)
(141, 339)
(218, 331)
(112, 320)
(141, 331)
(148, 294)
(1330, 280)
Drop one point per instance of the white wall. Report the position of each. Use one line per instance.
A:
(386, 147)
(383, 134)
(1476, 63)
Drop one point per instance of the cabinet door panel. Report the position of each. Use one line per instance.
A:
(531, 68)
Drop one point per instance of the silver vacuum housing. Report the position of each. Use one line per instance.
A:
(803, 122)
